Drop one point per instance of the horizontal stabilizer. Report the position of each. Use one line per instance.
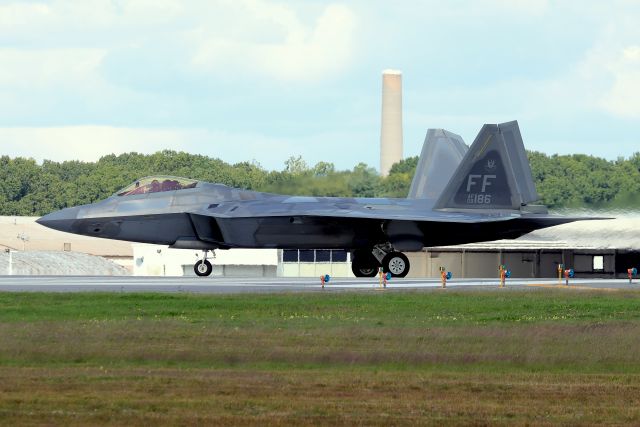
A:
(441, 154)
(494, 173)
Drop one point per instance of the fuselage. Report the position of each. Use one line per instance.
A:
(209, 216)
(214, 215)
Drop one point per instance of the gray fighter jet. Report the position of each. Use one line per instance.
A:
(458, 195)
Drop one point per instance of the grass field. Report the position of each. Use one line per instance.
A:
(443, 358)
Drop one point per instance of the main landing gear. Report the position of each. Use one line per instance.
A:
(203, 267)
(366, 263)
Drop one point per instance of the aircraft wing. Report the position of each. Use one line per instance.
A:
(391, 213)
(408, 228)
(264, 209)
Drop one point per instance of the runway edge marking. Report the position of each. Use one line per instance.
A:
(586, 288)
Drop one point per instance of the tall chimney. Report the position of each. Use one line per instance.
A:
(391, 131)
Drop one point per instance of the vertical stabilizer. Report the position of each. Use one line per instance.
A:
(494, 173)
(441, 155)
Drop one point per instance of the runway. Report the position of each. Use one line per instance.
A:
(226, 285)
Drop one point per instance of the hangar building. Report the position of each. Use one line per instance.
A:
(23, 234)
(605, 248)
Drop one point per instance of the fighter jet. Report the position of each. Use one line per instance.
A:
(458, 195)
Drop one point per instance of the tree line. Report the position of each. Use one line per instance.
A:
(29, 188)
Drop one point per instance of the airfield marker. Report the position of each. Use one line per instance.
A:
(444, 276)
(568, 273)
(383, 278)
(324, 279)
(504, 274)
(10, 261)
(560, 270)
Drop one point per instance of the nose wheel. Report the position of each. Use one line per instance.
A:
(203, 267)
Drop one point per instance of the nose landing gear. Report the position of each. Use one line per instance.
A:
(203, 267)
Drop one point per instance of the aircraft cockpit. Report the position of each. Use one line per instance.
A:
(157, 184)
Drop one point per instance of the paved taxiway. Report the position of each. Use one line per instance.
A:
(226, 285)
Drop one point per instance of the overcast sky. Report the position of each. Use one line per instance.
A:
(263, 80)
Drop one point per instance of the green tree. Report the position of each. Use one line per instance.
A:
(29, 188)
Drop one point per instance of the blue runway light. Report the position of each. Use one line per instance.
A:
(388, 276)
(508, 274)
(326, 278)
(449, 275)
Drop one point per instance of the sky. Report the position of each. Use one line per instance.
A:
(260, 80)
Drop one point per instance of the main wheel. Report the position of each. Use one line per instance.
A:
(364, 264)
(203, 268)
(396, 263)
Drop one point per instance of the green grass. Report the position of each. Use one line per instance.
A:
(315, 310)
(444, 357)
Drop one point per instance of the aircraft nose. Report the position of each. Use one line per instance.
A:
(61, 220)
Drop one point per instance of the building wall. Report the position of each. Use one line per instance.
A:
(420, 264)
(548, 263)
(463, 263)
(451, 261)
(521, 264)
(314, 263)
(23, 233)
(251, 271)
(527, 263)
(481, 264)
(155, 260)
(310, 269)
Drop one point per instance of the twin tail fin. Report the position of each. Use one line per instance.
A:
(494, 173)
(441, 154)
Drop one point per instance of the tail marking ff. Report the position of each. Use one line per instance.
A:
(494, 173)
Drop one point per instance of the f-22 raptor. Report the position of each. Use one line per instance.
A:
(458, 195)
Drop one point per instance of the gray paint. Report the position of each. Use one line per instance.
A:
(213, 216)
(494, 173)
(441, 155)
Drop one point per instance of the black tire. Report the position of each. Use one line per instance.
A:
(203, 268)
(396, 263)
(364, 264)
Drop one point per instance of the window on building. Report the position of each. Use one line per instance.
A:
(290, 255)
(598, 263)
(339, 256)
(323, 255)
(307, 255)
(318, 255)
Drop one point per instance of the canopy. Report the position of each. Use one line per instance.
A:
(157, 184)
